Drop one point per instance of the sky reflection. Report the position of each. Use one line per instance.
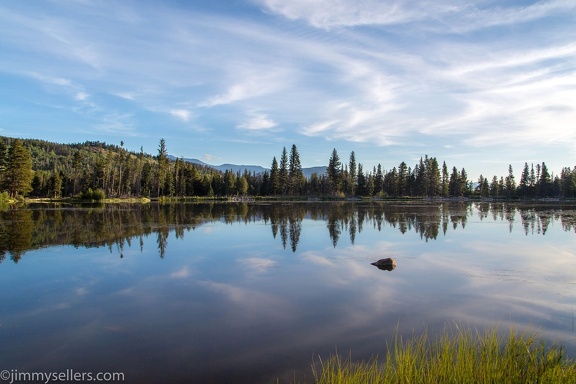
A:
(229, 301)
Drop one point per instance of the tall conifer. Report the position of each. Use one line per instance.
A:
(19, 174)
(283, 172)
(274, 178)
(295, 175)
(334, 171)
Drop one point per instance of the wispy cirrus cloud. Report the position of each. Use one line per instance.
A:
(478, 87)
(525, 91)
(60, 84)
(182, 114)
(478, 17)
(47, 33)
(343, 13)
(254, 82)
(461, 17)
(444, 76)
(258, 122)
(181, 273)
(258, 264)
(117, 124)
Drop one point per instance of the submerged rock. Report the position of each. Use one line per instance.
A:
(387, 264)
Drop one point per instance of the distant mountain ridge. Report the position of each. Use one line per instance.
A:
(250, 168)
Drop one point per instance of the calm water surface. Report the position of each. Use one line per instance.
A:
(251, 293)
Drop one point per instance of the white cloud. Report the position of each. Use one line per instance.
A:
(318, 128)
(182, 273)
(61, 82)
(524, 61)
(318, 259)
(258, 122)
(474, 18)
(336, 13)
(82, 96)
(117, 124)
(253, 302)
(52, 80)
(67, 87)
(473, 74)
(258, 264)
(513, 97)
(54, 35)
(182, 114)
(126, 95)
(472, 15)
(255, 82)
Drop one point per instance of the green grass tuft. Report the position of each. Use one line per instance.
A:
(456, 356)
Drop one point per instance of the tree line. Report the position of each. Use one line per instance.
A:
(94, 170)
(426, 179)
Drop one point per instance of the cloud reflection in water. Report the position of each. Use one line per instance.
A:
(267, 290)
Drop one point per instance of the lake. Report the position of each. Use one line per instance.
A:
(253, 292)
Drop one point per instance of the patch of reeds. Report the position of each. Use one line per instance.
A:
(456, 356)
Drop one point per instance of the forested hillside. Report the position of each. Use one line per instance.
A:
(94, 170)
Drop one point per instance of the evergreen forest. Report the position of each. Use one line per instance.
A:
(95, 170)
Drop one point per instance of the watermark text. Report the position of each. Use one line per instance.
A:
(12, 376)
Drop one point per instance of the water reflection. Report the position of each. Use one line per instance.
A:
(248, 293)
(113, 226)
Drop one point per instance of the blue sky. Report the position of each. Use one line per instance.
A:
(478, 84)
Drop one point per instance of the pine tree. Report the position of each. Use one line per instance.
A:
(162, 166)
(283, 172)
(362, 187)
(568, 182)
(55, 184)
(369, 188)
(76, 170)
(229, 183)
(494, 187)
(352, 182)
(524, 180)
(392, 182)
(501, 185)
(242, 187)
(420, 173)
(19, 174)
(378, 180)
(295, 176)
(455, 185)
(545, 181)
(532, 179)
(464, 182)
(480, 182)
(334, 172)
(274, 178)
(265, 188)
(510, 182)
(445, 181)
(433, 176)
(3, 163)
(485, 188)
(537, 181)
(403, 179)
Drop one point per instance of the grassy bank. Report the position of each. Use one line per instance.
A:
(457, 356)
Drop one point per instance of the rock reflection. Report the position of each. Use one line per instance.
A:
(387, 264)
(113, 226)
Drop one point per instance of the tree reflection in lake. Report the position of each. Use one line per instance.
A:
(247, 293)
(112, 226)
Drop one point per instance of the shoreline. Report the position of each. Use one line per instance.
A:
(281, 199)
